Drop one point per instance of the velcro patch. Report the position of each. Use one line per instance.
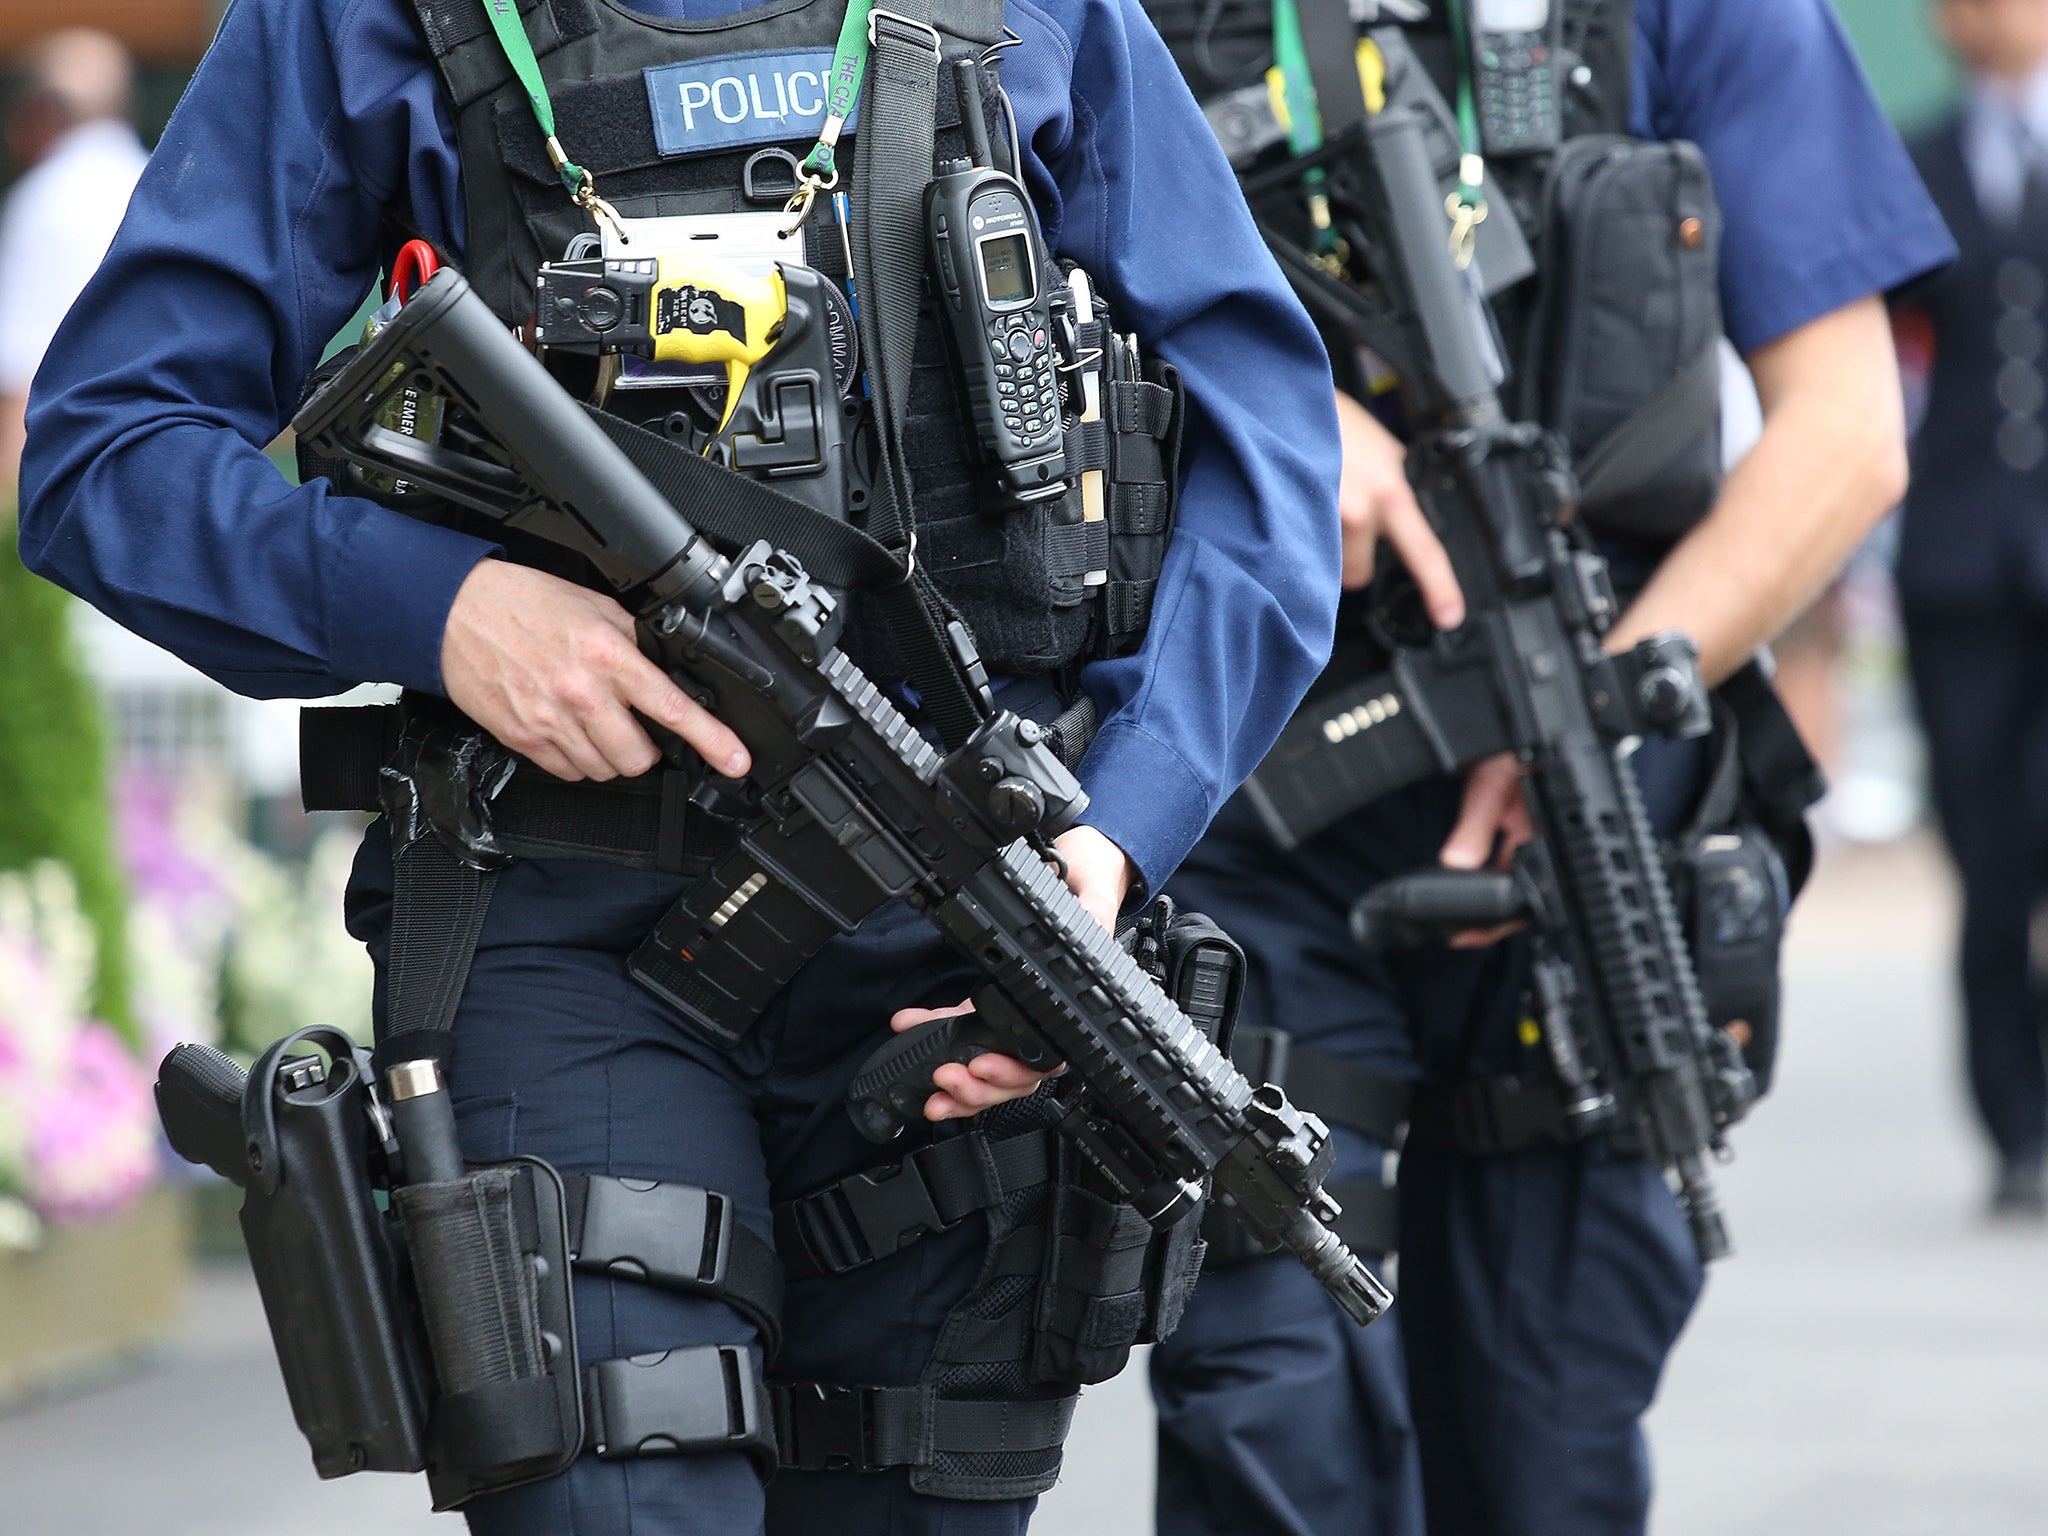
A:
(747, 98)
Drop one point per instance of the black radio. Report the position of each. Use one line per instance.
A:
(989, 257)
(1515, 58)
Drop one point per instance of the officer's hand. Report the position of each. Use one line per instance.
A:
(1492, 823)
(1375, 501)
(1100, 877)
(554, 672)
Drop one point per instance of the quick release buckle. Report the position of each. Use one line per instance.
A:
(665, 1234)
(820, 1427)
(675, 1402)
(869, 1216)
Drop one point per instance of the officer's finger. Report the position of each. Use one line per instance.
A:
(626, 746)
(550, 758)
(1491, 788)
(648, 689)
(910, 1018)
(971, 1094)
(616, 616)
(1423, 553)
(1000, 1071)
(581, 754)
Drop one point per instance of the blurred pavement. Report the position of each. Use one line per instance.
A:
(1874, 1361)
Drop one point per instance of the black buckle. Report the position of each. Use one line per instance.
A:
(868, 1216)
(675, 1402)
(673, 1234)
(824, 1428)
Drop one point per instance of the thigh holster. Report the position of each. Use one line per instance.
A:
(436, 1332)
(1072, 1279)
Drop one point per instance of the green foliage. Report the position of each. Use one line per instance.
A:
(54, 801)
(1914, 76)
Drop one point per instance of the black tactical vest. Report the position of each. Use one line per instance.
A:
(1612, 342)
(709, 117)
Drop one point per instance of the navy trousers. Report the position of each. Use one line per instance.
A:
(1980, 678)
(559, 1055)
(1541, 1291)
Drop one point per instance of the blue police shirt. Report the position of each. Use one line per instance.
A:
(254, 234)
(1821, 204)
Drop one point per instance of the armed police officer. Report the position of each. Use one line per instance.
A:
(541, 820)
(1546, 1272)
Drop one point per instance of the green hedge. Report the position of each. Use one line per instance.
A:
(54, 801)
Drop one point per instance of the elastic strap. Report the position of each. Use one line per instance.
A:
(438, 906)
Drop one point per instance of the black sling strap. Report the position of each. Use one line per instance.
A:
(893, 166)
(1330, 38)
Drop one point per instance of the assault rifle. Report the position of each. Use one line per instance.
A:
(1626, 1031)
(846, 806)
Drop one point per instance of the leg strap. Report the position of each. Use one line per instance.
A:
(677, 1236)
(881, 1211)
(823, 1428)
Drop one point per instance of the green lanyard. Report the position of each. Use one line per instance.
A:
(1467, 205)
(849, 64)
(581, 185)
(1304, 123)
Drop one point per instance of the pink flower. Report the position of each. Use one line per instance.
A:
(92, 1133)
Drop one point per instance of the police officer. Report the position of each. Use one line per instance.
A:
(1541, 1287)
(1973, 558)
(313, 135)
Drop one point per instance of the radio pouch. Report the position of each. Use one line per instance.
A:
(490, 1257)
(1626, 365)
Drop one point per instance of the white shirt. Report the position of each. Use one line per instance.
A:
(54, 230)
(2005, 134)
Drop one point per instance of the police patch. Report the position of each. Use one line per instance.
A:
(746, 98)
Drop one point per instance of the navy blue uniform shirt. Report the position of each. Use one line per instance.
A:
(1821, 204)
(254, 235)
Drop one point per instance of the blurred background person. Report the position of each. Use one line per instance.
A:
(69, 132)
(1973, 558)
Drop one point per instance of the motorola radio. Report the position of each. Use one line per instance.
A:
(989, 259)
(1516, 46)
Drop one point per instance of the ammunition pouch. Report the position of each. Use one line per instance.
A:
(439, 1335)
(1341, 1093)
